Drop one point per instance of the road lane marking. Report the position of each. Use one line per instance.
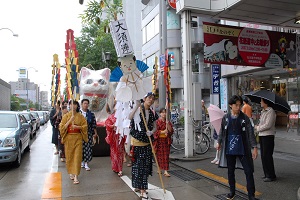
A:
(54, 166)
(154, 192)
(52, 186)
(224, 181)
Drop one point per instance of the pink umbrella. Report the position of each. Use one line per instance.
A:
(215, 117)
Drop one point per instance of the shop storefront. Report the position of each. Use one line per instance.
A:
(285, 85)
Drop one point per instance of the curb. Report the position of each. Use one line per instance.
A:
(298, 194)
(190, 159)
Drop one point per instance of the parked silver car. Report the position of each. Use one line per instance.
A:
(37, 117)
(14, 137)
(42, 116)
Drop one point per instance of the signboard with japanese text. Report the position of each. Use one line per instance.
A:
(22, 72)
(249, 47)
(223, 94)
(172, 61)
(215, 72)
(121, 38)
(173, 20)
(162, 61)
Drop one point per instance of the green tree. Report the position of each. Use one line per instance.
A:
(15, 103)
(95, 39)
(91, 46)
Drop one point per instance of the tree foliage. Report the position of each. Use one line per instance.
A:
(92, 45)
(95, 38)
(15, 103)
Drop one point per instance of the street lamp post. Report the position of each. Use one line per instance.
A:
(14, 34)
(107, 57)
(27, 99)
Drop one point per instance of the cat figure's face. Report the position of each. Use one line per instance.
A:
(94, 81)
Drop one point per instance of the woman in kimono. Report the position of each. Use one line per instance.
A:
(162, 141)
(73, 129)
(116, 142)
(141, 148)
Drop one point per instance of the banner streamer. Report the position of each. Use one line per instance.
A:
(72, 67)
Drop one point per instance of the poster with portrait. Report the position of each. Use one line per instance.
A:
(249, 47)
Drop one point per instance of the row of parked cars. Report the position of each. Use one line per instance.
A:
(16, 130)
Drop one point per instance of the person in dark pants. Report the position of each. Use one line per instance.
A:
(53, 117)
(266, 129)
(236, 140)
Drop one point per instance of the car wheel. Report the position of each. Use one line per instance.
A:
(17, 162)
(28, 148)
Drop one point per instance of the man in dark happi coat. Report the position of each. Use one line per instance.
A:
(142, 152)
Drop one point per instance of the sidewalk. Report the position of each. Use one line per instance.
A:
(286, 158)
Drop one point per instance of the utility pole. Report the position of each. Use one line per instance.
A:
(162, 49)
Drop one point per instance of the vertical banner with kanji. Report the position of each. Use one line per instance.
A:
(121, 38)
(215, 72)
(223, 94)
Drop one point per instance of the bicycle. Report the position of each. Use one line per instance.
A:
(202, 139)
(178, 138)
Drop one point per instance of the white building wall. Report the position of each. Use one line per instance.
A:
(5, 95)
(132, 15)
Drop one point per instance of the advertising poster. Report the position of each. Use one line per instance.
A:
(249, 47)
(22, 72)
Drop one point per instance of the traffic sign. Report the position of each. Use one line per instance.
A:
(172, 3)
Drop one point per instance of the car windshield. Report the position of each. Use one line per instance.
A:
(26, 115)
(40, 114)
(8, 120)
(34, 114)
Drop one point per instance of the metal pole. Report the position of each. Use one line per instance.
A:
(187, 82)
(162, 50)
(27, 102)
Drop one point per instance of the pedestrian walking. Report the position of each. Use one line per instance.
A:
(204, 111)
(53, 116)
(87, 151)
(73, 129)
(141, 149)
(216, 160)
(266, 132)
(116, 142)
(61, 147)
(236, 140)
(162, 141)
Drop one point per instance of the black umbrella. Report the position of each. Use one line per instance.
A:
(278, 103)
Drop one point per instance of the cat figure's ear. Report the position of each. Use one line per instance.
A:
(105, 73)
(84, 73)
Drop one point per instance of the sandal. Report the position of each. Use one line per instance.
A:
(71, 176)
(138, 190)
(167, 175)
(120, 174)
(76, 182)
(143, 197)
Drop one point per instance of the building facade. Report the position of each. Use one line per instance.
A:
(23, 88)
(5, 90)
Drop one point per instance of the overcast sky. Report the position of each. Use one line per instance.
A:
(41, 26)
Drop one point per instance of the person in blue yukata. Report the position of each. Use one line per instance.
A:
(238, 146)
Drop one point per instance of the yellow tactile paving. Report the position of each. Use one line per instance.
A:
(52, 187)
(224, 180)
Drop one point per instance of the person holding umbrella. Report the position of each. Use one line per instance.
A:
(215, 118)
(266, 130)
(236, 140)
